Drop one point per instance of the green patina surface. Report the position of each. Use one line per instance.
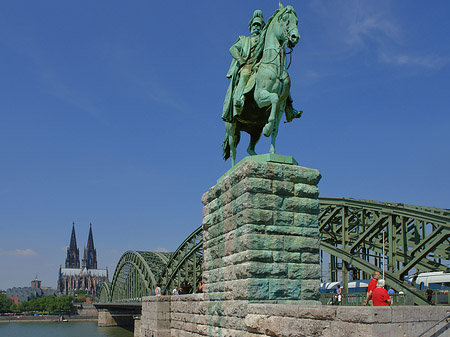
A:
(259, 91)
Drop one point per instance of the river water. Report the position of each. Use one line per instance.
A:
(61, 329)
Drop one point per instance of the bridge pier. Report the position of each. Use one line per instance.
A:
(261, 233)
(118, 314)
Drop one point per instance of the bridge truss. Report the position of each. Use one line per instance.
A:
(416, 239)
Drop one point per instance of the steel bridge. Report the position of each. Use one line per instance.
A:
(360, 236)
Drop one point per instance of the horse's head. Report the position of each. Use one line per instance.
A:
(287, 19)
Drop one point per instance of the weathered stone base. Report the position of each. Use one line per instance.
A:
(189, 315)
(260, 233)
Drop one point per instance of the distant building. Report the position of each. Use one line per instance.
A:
(36, 284)
(88, 277)
(23, 294)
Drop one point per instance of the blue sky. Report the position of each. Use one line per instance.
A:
(110, 115)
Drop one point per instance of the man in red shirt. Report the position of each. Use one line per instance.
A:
(372, 286)
(380, 296)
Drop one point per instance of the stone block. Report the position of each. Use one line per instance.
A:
(283, 218)
(251, 229)
(255, 185)
(286, 257)
(299, 174)
(293, 327)
(301, 205)
(366, 315)
(302, 271)
(254, 216)
(283, 188)
(301, 244)
(284, 289)
(307, 257)
(261, 242)
(310, 289)
(306, 191)
(306, 220)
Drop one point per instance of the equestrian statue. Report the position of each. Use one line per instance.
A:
(259, 90)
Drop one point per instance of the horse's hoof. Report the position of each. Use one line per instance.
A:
(267, 130)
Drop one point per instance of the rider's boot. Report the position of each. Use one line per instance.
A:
(239, 105)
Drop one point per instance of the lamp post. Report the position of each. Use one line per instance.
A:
(384, 256)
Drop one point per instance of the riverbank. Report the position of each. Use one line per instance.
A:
(46, 318)
(84, 312)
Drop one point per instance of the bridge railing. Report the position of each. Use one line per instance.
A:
(357, 299)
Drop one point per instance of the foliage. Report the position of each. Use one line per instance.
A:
(48, 303)
(5, 303)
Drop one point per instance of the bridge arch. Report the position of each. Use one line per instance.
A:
(136, 275)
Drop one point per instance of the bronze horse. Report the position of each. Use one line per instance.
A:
(268, 96)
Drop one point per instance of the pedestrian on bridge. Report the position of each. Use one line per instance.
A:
(376, 275)
(175, 291)
(158, 289)
(380, 296)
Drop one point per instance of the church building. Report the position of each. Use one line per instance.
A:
(87, 277)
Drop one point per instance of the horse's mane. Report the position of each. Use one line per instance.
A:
(262, 38)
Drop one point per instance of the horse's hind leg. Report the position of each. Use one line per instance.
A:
(254, 138)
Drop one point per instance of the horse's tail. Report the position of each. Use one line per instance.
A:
(226, 147)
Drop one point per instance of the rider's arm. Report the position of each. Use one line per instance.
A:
(235, 51)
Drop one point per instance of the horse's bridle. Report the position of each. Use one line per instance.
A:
(286, 34)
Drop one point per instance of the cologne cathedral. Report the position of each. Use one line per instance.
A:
(87, 277)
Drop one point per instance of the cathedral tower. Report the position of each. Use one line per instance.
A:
(90, 253)
(73, 253)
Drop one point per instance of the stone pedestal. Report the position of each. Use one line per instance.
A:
(260, 233)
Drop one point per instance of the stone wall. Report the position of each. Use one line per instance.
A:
(188, 316)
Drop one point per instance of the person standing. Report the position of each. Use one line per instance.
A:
(380, 296)
(158, 289)
(429, 294)
(200, 287)
(339, 294)
(372, 286)
(175, 291)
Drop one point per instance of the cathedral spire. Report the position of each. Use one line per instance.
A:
(73, 238)
(90, 254)
(73, 253)
(90, 244)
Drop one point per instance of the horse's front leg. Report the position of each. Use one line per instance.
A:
(263, 99)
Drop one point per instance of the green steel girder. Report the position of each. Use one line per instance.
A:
(137, 269)
(105, 292)
(430, 246)
(188, 256)
(363, 265)
(415, 237)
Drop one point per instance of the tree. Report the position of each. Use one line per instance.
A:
(5, 303)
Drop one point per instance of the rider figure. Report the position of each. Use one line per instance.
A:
(243, 53)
